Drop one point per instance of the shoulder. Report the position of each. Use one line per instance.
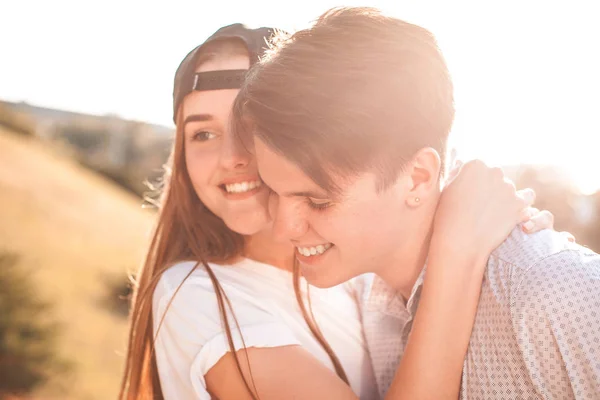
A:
(186, 294)
(546, 277)
(189, 309)
(196, 321)
(245, 278)
(568, 280)
(523, 256)
(532, 268)
(523, 249)
(555, 310)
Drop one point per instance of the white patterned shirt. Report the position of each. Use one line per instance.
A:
(537, 328)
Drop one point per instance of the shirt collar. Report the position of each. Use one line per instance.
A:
(383, 298)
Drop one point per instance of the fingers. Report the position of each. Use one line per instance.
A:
(528, 213)
(569, 237)
(528, 196)
(542, 220)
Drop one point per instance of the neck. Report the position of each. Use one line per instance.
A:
(263, 248)
(407, 262)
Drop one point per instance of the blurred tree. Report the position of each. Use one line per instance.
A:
(27, 337)
(118, 294)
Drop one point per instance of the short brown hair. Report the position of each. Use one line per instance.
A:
(357, 91)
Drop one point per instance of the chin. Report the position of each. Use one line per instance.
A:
(322, 280)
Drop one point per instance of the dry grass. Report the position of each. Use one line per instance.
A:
(74, 228)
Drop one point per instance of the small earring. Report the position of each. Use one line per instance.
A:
(417, 199)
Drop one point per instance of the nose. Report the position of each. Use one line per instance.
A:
(234, 154)
(289, 222)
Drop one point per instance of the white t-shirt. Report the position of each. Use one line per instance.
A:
(191, 339)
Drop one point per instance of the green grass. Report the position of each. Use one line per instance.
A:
(74, 228)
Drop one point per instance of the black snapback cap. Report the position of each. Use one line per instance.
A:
(186, 80)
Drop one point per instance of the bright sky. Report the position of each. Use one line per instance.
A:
(526, 73)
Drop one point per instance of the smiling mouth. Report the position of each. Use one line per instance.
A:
(241, 187)
(314, 250)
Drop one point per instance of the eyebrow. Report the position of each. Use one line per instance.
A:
(198, 118)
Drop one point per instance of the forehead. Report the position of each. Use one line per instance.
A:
(215, 102)
(279, 173)
(287, 180)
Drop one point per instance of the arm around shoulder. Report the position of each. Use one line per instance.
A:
(276, 373)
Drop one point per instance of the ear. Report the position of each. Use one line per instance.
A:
(424, 172)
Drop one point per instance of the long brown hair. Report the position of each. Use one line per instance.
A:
(357, 91)
(186, 230)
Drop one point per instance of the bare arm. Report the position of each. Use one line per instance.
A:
(432, 364)
(277, 373)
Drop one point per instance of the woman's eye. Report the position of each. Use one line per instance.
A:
(319, 204)
(203, 136)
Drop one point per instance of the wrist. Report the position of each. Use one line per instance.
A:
(447, 263)
(452, 251)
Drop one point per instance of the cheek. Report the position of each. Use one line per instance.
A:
(340, 227)
(381, 229)
(369, 225)
(201, 167)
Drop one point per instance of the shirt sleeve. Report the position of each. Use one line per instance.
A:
(189, 333)
(556, 317)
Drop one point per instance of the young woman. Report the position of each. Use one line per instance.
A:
(219, 309)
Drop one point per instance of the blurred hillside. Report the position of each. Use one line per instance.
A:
(77, 231)
(128, 152)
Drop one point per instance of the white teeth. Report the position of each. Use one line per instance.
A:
(242, 187)
(313, 251)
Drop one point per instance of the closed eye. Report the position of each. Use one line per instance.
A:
(318, 204)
